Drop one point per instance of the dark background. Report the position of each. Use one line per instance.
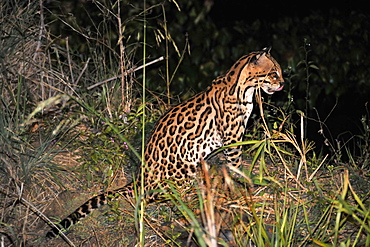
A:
(323, 47)
(342, 112)
(227, 12)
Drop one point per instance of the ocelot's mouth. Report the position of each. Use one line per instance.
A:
(276, 90)
(280, 88)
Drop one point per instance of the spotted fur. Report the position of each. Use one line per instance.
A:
(188, 133)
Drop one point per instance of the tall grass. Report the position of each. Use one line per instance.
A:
(294, 205)
(31, 94)
(86, 93)
(287, 209)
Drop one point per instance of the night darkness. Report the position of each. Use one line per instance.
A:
(226, 12)
(344, 118)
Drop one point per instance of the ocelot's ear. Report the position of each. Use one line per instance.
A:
(267, 49)
(263, 53)
(260, 56)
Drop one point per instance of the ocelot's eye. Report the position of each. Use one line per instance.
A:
(275, 76)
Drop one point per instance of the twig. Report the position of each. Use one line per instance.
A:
(38, 47)
(37, 212)
(314, 173)
(83, 71)
(69, 62)
(126, 73)
(41, 31)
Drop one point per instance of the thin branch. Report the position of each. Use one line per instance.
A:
(126, 73)
(83, 71)
(41, 31)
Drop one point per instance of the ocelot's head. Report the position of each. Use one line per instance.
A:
(259, 70)
(269, 76)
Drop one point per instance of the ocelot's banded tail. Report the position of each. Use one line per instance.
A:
(90, 205)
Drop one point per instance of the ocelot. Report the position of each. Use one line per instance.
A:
(189, 132)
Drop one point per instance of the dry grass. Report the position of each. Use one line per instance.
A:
(62, 143)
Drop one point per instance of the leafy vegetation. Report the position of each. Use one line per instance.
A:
(75, 104)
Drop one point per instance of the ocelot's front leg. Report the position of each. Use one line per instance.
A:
(234, 153)
(234, 158)
(234, 121)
